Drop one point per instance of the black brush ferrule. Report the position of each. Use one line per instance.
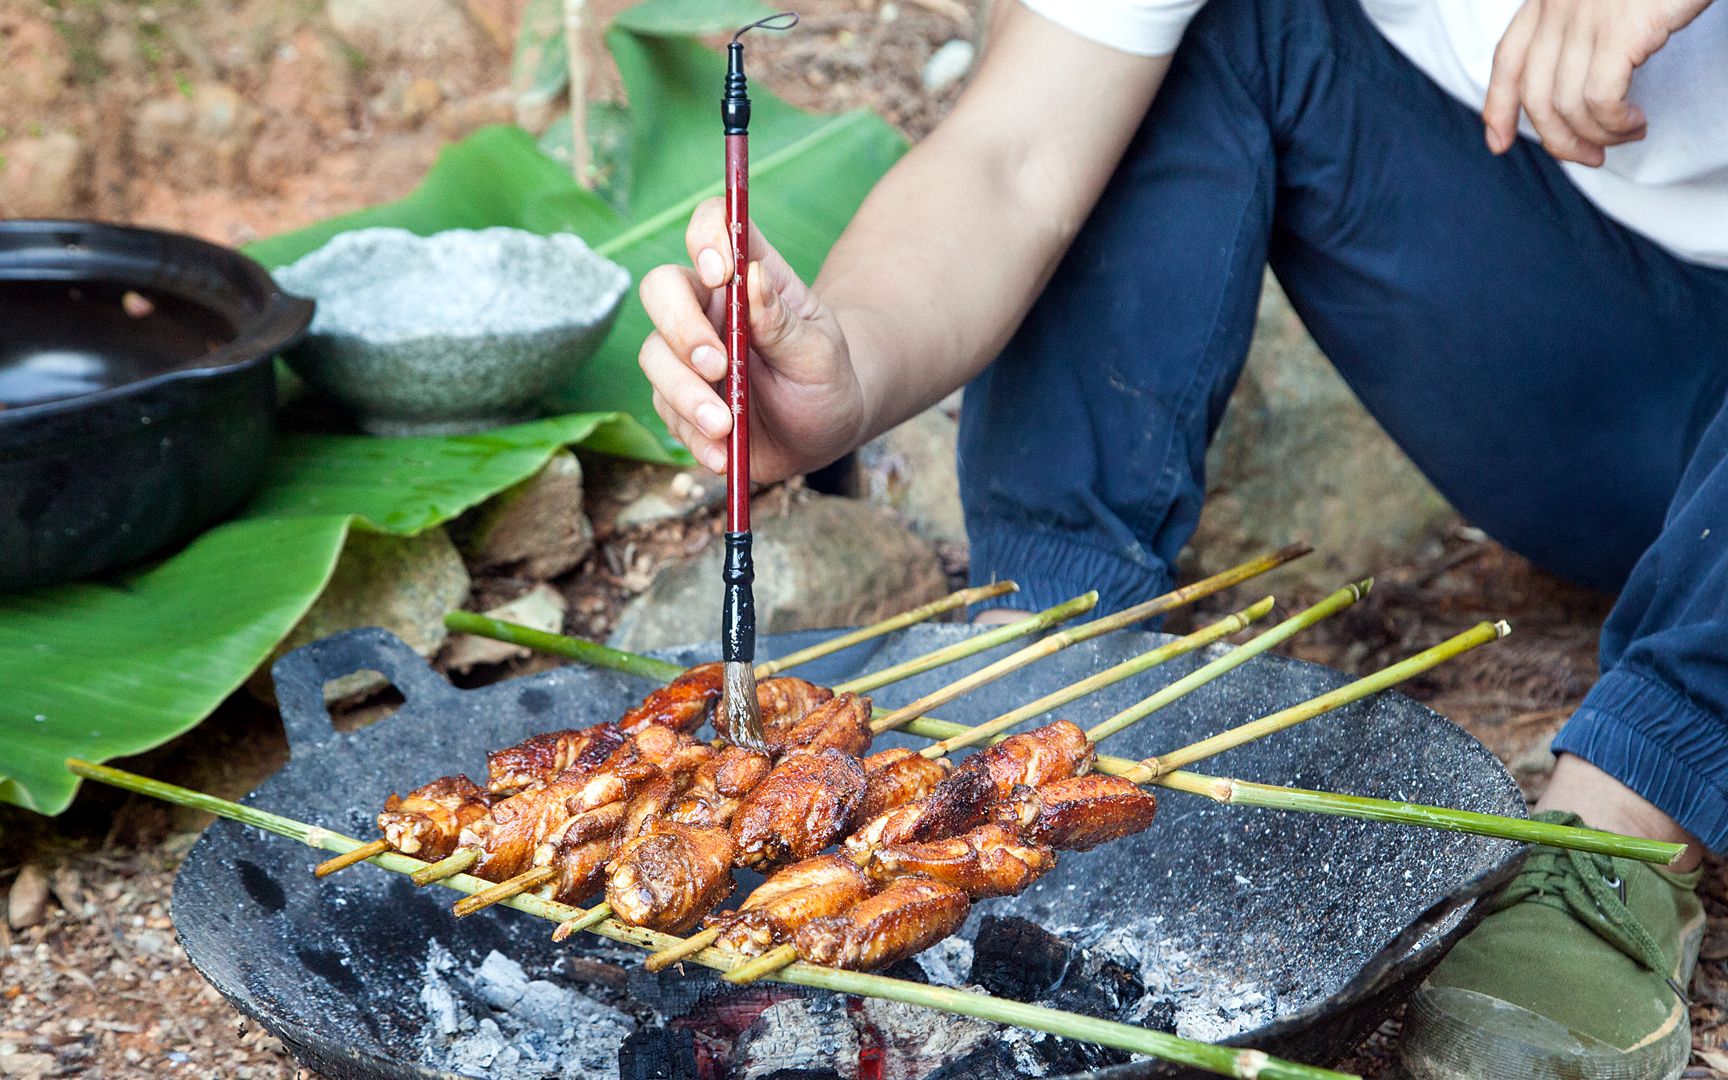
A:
(738, 615)
(735, 102)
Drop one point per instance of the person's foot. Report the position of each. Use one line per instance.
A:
(1580, 972)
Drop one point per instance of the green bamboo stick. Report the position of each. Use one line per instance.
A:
(1233, 659)
(1222, 1060)
(587, 652)
(1480, 634)
(961, 599)
(1270, 796)
(1108, 677)
(971, 646)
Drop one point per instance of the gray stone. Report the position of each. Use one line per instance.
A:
(826, 562)
(1298, 457)
(541, 607)
(41, 177)
(454, 332)
(435, 30)
(537, 528)
(27, 902)
(948, 65)
(911, 469)
(405, 584)
(683, 493)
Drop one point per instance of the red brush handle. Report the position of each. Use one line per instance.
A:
(738, 334)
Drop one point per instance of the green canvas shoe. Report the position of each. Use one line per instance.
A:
(1578, 974)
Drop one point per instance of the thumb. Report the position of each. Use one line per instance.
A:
(786, 322)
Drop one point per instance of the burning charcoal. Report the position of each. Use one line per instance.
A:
(657, 1053)
(994, 1062)
(915, 1040)
(1016, 958)
(1159, 1014)
(799, 1036)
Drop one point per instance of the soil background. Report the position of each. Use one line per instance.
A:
(239, 120)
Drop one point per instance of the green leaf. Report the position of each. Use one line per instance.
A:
(691, 17)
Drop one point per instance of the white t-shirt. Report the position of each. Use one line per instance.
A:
(1672, 186)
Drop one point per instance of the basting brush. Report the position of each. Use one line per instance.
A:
(739, 713)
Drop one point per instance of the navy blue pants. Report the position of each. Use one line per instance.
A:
(1561, 379)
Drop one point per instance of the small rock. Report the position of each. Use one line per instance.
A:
(42, 177)
(67, 886)
(28, 1066)
(204, 134)
(826, 562)
(537, 527)
(1298, 457)
(404, 29)
(27, 902)
(948, 64)
(542, 608)
(911, 469)
(682, 494)
(35, 62)
(405, 584)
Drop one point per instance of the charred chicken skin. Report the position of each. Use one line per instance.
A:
(682, 704)
(792, 896)
(804, 804)
(670, 876)
(427, 821)
(1079, 813)
(1034, 758)
(841, 723)
(719, 786)
(786, 700)
(906, 917)
(991, 860)
(896, 777)
(538, 758)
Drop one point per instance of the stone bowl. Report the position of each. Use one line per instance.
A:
(451, 333)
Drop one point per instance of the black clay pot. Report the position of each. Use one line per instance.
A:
(137, 396)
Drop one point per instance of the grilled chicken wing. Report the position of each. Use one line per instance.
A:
(428, 820)
(806, 803)
(1053, 752)
(897, 826)
(719, 786)
(791, 897)
(670, 876)
(907, 916)
(651, 802)
(991, 860)
(579, 849)
(786, 700)
(540, 757)
(1079, 813)
(894, 778)
(842, 723)
(682, 704)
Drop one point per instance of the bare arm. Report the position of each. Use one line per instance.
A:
(934, 273)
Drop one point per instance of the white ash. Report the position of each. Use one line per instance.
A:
(947, 962)
(1209, 1005)
(495, 1020)
(917, 1041)
(799, 1033)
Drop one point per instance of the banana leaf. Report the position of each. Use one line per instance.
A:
(103, 669)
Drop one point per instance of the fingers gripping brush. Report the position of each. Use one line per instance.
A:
(738, 709)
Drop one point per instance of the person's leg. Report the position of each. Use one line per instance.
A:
(1082, 447)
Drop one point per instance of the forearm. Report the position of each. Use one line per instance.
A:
(951, 248)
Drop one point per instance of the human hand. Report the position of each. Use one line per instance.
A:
(1568, 64)
(806, 407)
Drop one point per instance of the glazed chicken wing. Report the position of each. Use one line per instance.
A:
(842, 723)
(719, 786)
(1055, 751)
(786, 700)
(791, 897)
(1079, 813)
(540, 757)
(894, 778)
(579, 850)
(991, 860)
(670, 876)
(682, 704)
(806, 803)
(896, 826)
(427, 822)
(906, 917)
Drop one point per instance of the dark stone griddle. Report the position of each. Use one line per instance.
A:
(1340, 917)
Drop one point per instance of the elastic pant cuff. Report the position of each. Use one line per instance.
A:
(1052, 567)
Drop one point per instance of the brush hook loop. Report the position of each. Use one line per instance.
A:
(785, 20)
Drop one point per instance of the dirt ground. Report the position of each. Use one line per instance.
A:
(240, 120)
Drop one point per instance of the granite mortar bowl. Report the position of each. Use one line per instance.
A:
(450, 333)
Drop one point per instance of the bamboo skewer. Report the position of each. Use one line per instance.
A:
(1233, 659)
(502, 891)
(1221, 1060)
(469, 622)
(457, 862)
(758, 967)
(358, 855)
(689, 947)
(1062, 639)
(1480, 634)
(1182, 646)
